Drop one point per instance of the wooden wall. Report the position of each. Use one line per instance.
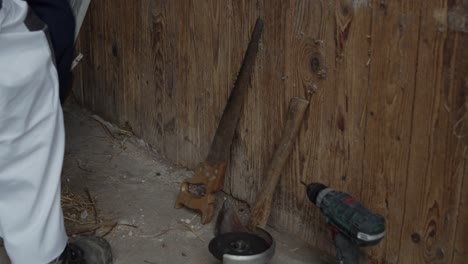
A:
(389, 121)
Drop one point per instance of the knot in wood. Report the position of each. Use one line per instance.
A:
(315, 64)
(416, 238)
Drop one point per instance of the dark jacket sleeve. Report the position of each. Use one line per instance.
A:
(58, 16)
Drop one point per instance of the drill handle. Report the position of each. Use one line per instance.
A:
(347, 252)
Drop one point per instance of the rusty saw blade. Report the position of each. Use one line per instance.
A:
(220, 148)
(210, 173)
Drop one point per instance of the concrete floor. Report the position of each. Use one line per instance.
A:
(132, 184)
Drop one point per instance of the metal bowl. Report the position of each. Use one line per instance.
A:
(243, 248)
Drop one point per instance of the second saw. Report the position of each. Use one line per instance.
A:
(210, 173)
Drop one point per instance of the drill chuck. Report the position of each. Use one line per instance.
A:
(313, 191)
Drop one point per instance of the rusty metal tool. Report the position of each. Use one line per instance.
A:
(210, 173)
(228, 220)
(271, 177)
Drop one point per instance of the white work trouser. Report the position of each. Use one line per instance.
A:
(31, 141)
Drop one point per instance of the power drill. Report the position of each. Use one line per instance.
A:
(352, 224)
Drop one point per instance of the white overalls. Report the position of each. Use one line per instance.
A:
(31, 141)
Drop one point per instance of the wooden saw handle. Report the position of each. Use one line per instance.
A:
(262, 208)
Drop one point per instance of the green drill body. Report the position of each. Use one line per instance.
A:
(349, 220)
(353, 220)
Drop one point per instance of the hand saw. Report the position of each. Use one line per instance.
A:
(210, 173)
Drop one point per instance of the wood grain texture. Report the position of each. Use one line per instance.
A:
(388, 122)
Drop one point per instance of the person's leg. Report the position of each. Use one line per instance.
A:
(32, 148)
(58, 16)
(31, 140)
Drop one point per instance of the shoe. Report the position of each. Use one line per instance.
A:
(87, 250)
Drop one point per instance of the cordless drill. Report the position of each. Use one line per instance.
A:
(352, 224)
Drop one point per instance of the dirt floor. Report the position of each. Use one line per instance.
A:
(133, 190)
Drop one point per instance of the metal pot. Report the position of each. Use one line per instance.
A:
(243, 248)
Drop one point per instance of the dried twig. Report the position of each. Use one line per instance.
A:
(134, 226)
(294, 249)
(74, 205)
(122, 149)
(70, 219)
(80, 229)
(110, 230)
(104, 126)
(195, 233)
(159, 234)
(82, 167)
(107, 127)
(193, 218)
(93, 203)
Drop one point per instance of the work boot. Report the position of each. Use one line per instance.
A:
(87, 250)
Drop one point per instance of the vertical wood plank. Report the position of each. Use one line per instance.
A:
(386, 116)
(150, 66)
(456, 103)
(460, 250)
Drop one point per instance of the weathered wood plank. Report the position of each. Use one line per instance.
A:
(386, 117)
(456, 103)
(460, 250)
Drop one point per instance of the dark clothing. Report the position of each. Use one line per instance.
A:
(58, 16)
